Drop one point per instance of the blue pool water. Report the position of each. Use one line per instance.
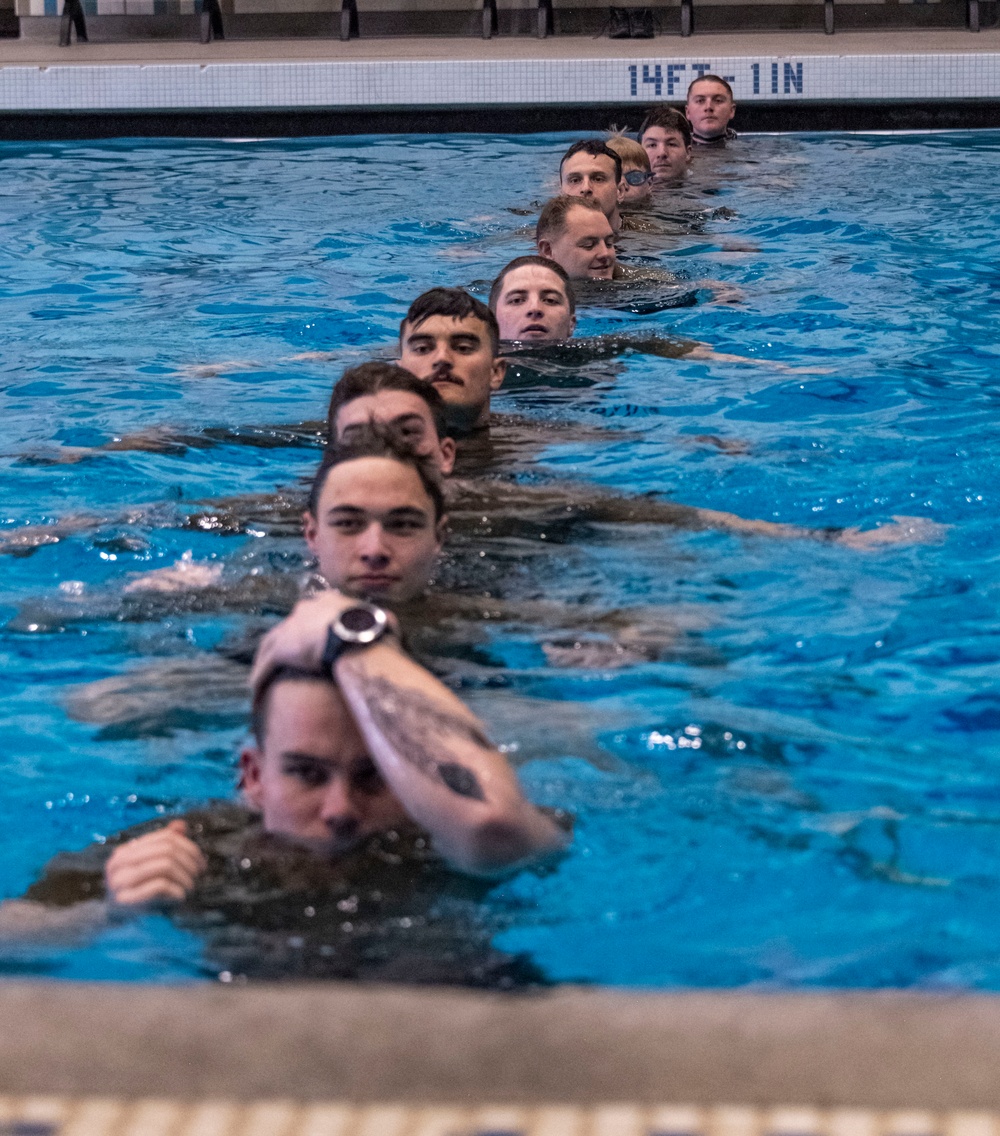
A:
(805, 792)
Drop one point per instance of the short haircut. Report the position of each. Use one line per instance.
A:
(596, 149)
(455, 304)
(376, 440)
(711, 79)
(630, 152)
(369, 379)
(541, 262)
(552, 220)
(667, 119)
(261, 705)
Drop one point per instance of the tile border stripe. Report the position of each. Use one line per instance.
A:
(469, 83)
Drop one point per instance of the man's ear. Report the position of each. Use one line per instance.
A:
(622, 186)
(448, 449)
(310, 529)
(498, 373)
(572, 325)
(441, 529)
(251, 761)
(545, 248)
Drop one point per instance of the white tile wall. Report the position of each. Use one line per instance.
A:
(493, 82)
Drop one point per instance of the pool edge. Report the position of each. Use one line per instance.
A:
(367, 1043)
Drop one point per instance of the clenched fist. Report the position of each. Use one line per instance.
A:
(160, 865)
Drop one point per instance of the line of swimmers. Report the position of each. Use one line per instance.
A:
(352, 738)
(599, 179)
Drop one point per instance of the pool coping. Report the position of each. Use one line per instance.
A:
(369, 1043)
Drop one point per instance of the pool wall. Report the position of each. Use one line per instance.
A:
(888, 80)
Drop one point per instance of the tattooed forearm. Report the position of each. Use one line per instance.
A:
(416, 729)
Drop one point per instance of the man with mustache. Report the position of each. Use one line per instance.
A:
(452, 340)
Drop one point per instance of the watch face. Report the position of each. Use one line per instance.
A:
(358, 620)
(363, 623)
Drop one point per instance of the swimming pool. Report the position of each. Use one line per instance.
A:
(802, 790)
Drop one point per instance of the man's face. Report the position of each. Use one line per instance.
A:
(456, 356)
(407, 415)
(710, 109)
(313, 780)
(669, 154)
(533, 305)
(585, 248)
(593, 177)
(374, 532)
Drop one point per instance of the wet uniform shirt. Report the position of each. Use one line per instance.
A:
(389, 911)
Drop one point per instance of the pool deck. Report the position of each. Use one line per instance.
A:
(788, 44)
(567, 1047)
(790, 71)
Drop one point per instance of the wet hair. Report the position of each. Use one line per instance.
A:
(376, 440)
(371, 378)
(524, 262)
(261, 705)
(596, 149)
(667, 119)
(629, 151)
(552, 220)
(713, 79)
(455, 304)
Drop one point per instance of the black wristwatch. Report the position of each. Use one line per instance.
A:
(356, 626)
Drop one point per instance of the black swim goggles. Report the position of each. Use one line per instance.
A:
(637, 177)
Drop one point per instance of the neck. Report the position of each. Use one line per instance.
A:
(461, 422)
(615, 219)
(709, 139)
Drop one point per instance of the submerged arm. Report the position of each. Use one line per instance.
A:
(582, 503)
(24, 921)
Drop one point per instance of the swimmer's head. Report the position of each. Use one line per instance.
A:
(533, 300)
(375, 519)
(308, 772)
(592, 171)
(451, 340)
(574, 233)
(390, 396)
(665, 135)
(710, 106)
(637, 175)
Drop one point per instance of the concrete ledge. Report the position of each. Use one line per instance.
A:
(312, 1043)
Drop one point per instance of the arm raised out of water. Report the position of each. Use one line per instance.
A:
(430, 748)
